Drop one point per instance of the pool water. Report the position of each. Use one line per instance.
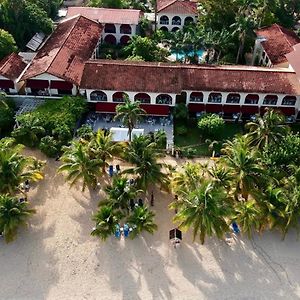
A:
(181, 55)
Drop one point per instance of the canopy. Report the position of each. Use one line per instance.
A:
(121, 134)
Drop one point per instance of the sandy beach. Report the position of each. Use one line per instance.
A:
(56, 258)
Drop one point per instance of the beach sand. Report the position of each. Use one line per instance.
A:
(56, 258)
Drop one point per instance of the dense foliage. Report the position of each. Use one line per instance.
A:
(53, 121)
(6, 116)
(7, 43)
(211, 125)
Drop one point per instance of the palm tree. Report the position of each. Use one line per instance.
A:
(129, 113)
(221, 176)
(120, 193)
(15, 168)
(142, 219)
(78, 164)
(13, 214)
(205, 209)
(144, 154)
(248, 216)
(103, 147)
(267, 130)
(107, 219)
(244, 166)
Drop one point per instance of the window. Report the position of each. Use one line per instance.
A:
(110, 28)
(289, 101)
(215, 98)
(164, 20)
(98, 96)
(270, 100)
(252, 99)
(163, 99)
(233, 98)
(196, 97)
(176, 20)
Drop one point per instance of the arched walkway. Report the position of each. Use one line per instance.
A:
(119, 97)
(142, 97)
(176, 20)
(98, 96)
(289, 100)
(215, 98)
(110, 28)
(124, 40)
(252, 99)
(110, 39)
(233, 98)
(164, 28)
(196, 97)
(125, 29)
(175, 29)
(163, 99)
(270, 99)
(188, 20)
(164, 20)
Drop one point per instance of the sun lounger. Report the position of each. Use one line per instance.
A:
(118, 232)
(126, 230)
(235, 228)
(111, 170)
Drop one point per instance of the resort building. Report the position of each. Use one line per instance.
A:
(57, 68)
(272, 45)
(119, 24)
(174, 14)
(10, 69)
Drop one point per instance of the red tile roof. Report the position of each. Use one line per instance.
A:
(279, 42)
(177, 6)
(12, 66)
(67, 49)
(107, 15)
(174, 78)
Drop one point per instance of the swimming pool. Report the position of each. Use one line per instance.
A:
(181, 55)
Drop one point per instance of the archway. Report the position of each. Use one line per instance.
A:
(163, 99)
(124, 40)
(188, 20)
(176, 20)
(252, 99)
(196, 97)
(98, 96)
(289, 100)
(119, 97)
(270, 100)
(164, 20)
(175, 29)
(110, 28)
(110, 39)
(142, 97)
(215, 98)
(164, 28)
(125, 29)
(233, 98)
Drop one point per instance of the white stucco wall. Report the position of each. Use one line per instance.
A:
(118, 34)
(170, 16)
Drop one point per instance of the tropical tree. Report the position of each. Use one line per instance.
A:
(79, 165)
(13, 214)
(142, 219)
(129, 113)
(107, 219)
(144, 154)
(7, 43)
(119, 193)
(244, 166)
(267, 130)
(205, 209)
(16, 168)
(103, 147)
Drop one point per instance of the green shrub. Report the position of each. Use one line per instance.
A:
(6, 116)
(181, 112)
(211, 126)
(181, 130)
(49, 146)
(85, 132)
(189, 152)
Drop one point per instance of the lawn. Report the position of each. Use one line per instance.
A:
(192, 138)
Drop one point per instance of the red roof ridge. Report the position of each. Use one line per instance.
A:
(106, 8)
(284, 34)
(166, 5)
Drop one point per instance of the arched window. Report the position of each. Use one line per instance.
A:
(163, 99)
(176, 20)
(252, 99)
(289, 100)
(196, 97)
(124, 40)
(164, 28)
(125, 29)
(143, 98)
(164, 20)
(110, 28)
(110, 39)
(270, 100)
(119, 97)
(175, 29)
(233, 98)
(188, 20)
(98, 96)
(215, 98)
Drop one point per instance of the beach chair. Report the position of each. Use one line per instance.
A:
(235, 228)
(118, 232)
(126, 230)
(111, 170)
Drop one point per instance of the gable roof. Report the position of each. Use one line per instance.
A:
(279, 42)
(12, 66)
(107, 15)
(177, 6)
(174, 78)
(64, 53)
